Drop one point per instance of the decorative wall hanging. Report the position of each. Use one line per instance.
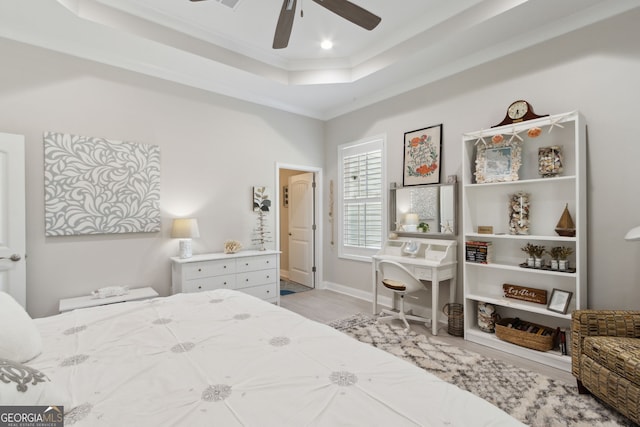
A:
(100, 186)
(422, 155)
(261, 205)
(261, 201)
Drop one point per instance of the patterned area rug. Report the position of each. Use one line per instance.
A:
(534, 399)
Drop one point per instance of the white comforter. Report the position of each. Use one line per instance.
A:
(223, 358)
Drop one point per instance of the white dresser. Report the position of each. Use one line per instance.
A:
(253, 272)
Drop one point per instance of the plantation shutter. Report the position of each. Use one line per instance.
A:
(362, 198)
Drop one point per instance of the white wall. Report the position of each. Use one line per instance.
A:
(595, 71)
(213, 150)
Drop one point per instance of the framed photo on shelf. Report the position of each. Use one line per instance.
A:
(559, 301)
(422, 155)
(498, 162)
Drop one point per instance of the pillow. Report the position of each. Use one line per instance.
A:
(19, 337)
(23, 385)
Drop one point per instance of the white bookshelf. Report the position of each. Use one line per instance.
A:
(486, 204)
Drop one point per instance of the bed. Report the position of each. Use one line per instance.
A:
(224, 358)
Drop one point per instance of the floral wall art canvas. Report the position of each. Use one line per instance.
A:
(100, 186)
(422, 156)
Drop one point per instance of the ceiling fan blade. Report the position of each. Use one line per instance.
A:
(351, 12)
(285, 24)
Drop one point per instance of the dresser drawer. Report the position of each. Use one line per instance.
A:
(254, 278)
(210, 283)
(265, 292)
(209, 268)
(252, 263)
(424, 273)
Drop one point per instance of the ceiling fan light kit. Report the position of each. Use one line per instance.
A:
(343, 8)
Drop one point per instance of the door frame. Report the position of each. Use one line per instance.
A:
(318, 235)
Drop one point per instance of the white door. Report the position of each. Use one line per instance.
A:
(301, 228)
(12, 217)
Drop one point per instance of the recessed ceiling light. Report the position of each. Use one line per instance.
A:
(326, 44)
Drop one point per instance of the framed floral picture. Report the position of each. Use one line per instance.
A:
(422, 152)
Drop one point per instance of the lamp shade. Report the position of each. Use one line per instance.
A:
(411, 219)
(633, 234)
(185, 228)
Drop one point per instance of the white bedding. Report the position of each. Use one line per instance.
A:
(224, 358)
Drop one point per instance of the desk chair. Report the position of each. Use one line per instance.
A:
(400, 280)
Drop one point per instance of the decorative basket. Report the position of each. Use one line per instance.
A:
(526, 337)
(454, 311)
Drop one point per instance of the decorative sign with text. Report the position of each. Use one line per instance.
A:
(524, 293)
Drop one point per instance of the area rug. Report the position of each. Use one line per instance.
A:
(534, 399)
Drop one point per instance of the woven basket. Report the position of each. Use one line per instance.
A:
(454, 312)
(524, 338)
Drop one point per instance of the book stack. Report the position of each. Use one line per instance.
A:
(479, 251)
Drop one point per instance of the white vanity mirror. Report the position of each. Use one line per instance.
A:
(423, 210)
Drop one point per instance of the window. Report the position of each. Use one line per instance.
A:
(361, 198)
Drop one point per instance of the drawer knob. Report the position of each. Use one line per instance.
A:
(199, 269)
(200, 287)
(268, 291)
(246, 280)
(224, 266)
(267, 277)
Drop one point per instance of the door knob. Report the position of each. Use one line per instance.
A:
(14, 257)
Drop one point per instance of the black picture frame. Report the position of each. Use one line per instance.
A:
(422, 155)
(559, 301)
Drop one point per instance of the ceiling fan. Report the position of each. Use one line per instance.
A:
(344, 8)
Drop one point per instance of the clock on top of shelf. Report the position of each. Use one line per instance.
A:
(519, 111)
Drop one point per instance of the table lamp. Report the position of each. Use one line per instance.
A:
(411, 222)
(633, 234)
(185, 229)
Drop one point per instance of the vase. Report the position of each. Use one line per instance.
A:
(487, 317)
(531, 262)
(537, 262)
(549, 161)
(554, 264)
(563, 264)
(519, 213)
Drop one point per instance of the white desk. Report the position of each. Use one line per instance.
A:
(67, 304)
(434, 261)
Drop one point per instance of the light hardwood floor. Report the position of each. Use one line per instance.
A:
(324, 306)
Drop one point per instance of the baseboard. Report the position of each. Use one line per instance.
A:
(356, 293)
(385, 301)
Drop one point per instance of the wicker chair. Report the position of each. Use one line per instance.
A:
(605, 357)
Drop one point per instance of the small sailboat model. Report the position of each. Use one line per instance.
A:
(565, 226)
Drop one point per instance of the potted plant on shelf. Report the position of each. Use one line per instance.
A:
(424, 227)
(530, 250)
(537, 256)
(554, 253)
(563, 253)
